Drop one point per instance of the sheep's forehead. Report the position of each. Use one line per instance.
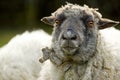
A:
(76, 10)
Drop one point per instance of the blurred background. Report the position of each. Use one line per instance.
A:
(17, 16)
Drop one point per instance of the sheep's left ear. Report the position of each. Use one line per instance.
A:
(106, 23)
(48, 20)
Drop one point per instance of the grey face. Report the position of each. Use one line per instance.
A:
(76, 30)
(75, 34)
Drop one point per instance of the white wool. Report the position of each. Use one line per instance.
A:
(112, 38)
(19, 59)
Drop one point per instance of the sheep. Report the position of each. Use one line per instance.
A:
(83, 46)
(19, 59)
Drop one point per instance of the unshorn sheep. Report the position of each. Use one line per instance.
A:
(81, 49)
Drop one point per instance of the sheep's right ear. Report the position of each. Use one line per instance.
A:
(48, 20)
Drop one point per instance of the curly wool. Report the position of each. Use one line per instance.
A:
(19, 59)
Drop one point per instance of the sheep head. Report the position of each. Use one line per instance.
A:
(76, 30)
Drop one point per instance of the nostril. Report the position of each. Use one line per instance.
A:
(63, 37)
(74, 37)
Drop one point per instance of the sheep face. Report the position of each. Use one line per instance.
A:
(76, 30)
(73, 34)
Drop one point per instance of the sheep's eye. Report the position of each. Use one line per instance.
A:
(57, 21)
(91, 23)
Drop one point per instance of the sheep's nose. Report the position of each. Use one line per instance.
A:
(69, 35)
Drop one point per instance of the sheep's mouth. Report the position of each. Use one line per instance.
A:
(69, 50)
(69, 46)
